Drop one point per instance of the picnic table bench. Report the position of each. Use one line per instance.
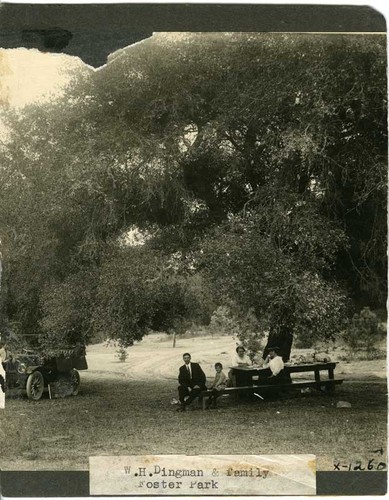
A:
(254, 379)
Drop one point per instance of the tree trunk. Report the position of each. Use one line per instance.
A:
(174, 339)
(281, 337)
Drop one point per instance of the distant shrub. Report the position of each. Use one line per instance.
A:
(222, 321)
(371, 355)
(121, 354)
(303, 342)
(364, 332)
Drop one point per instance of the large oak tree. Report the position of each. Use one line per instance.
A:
(272, 146)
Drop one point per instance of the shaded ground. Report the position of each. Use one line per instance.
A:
(118, 411)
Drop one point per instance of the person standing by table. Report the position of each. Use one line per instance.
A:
(3, 353)
(2, 379)
(192, 382)
(2, 386)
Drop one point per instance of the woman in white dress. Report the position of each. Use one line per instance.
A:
(241, 360)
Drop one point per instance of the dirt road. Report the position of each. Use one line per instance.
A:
(155, 359)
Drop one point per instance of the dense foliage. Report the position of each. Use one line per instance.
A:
(254, 166)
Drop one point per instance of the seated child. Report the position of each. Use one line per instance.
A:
(218, 386)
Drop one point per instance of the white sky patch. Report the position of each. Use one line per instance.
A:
(29, 76)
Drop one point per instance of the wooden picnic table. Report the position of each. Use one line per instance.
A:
(244, 375)
(255, 379)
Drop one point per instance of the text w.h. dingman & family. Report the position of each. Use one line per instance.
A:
(157, 477)
(202, 475)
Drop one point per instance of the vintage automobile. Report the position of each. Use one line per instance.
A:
(30, 371)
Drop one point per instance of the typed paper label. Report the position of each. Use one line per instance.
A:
(203, 475)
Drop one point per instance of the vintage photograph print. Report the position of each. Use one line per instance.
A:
(193, 262)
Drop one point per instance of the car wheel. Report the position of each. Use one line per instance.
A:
(35, 385)
(75, 376)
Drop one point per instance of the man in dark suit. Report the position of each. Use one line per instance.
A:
(192, 381)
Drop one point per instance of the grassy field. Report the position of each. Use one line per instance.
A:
(117, 413)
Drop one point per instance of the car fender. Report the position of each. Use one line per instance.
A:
(31, 369)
